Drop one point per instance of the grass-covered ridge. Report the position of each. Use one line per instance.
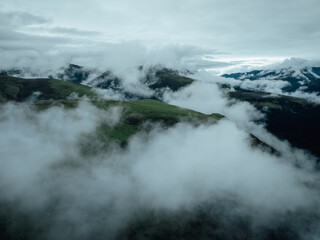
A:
(19, 89)
(170, 79)
(135, 114)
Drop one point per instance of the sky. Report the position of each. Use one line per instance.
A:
(230, 32)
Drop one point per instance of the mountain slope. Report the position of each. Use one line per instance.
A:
(45, 93)
(19, 89)
(156, 79)
(288, 118)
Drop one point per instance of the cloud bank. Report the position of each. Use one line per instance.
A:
(45, 175)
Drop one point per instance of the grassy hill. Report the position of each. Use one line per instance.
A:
(134, 113)
(19, 89)
(171, 79)
(134, 116)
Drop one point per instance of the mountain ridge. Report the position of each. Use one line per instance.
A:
(306, 79)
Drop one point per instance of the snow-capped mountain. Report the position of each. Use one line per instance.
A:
(288, 77)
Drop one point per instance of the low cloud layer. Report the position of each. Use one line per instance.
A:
(45, 175)
(206, 97)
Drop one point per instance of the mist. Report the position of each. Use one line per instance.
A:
(45, 174)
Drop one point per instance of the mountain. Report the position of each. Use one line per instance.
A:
(306, 79)
(73, 73)
(293, 119)
(210, 220)
(45, 93)
(155, 79)
(19, 89)
(289, 118)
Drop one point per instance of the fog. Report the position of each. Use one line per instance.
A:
(44, 174)
(205, 96)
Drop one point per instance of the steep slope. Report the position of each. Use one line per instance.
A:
(288, 118)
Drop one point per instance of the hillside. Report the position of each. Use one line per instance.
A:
(19, 89)
(45, 93)
(288, 118)
(156, 78)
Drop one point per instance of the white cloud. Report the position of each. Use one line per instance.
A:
(43, 168)
(207, 98)
(264, 85)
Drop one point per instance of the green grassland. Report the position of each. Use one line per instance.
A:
(19, 89)
(135, 115)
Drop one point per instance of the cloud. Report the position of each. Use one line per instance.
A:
(73, 31)
(206, 97)
(47, 53)
(291, 31)
(20, 19)
(44, 171)
(264, 85)
(198, 169)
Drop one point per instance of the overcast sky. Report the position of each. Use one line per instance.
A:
(228, 29)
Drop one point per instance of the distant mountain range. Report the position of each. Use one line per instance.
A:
(306, 79)
(280, 80)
